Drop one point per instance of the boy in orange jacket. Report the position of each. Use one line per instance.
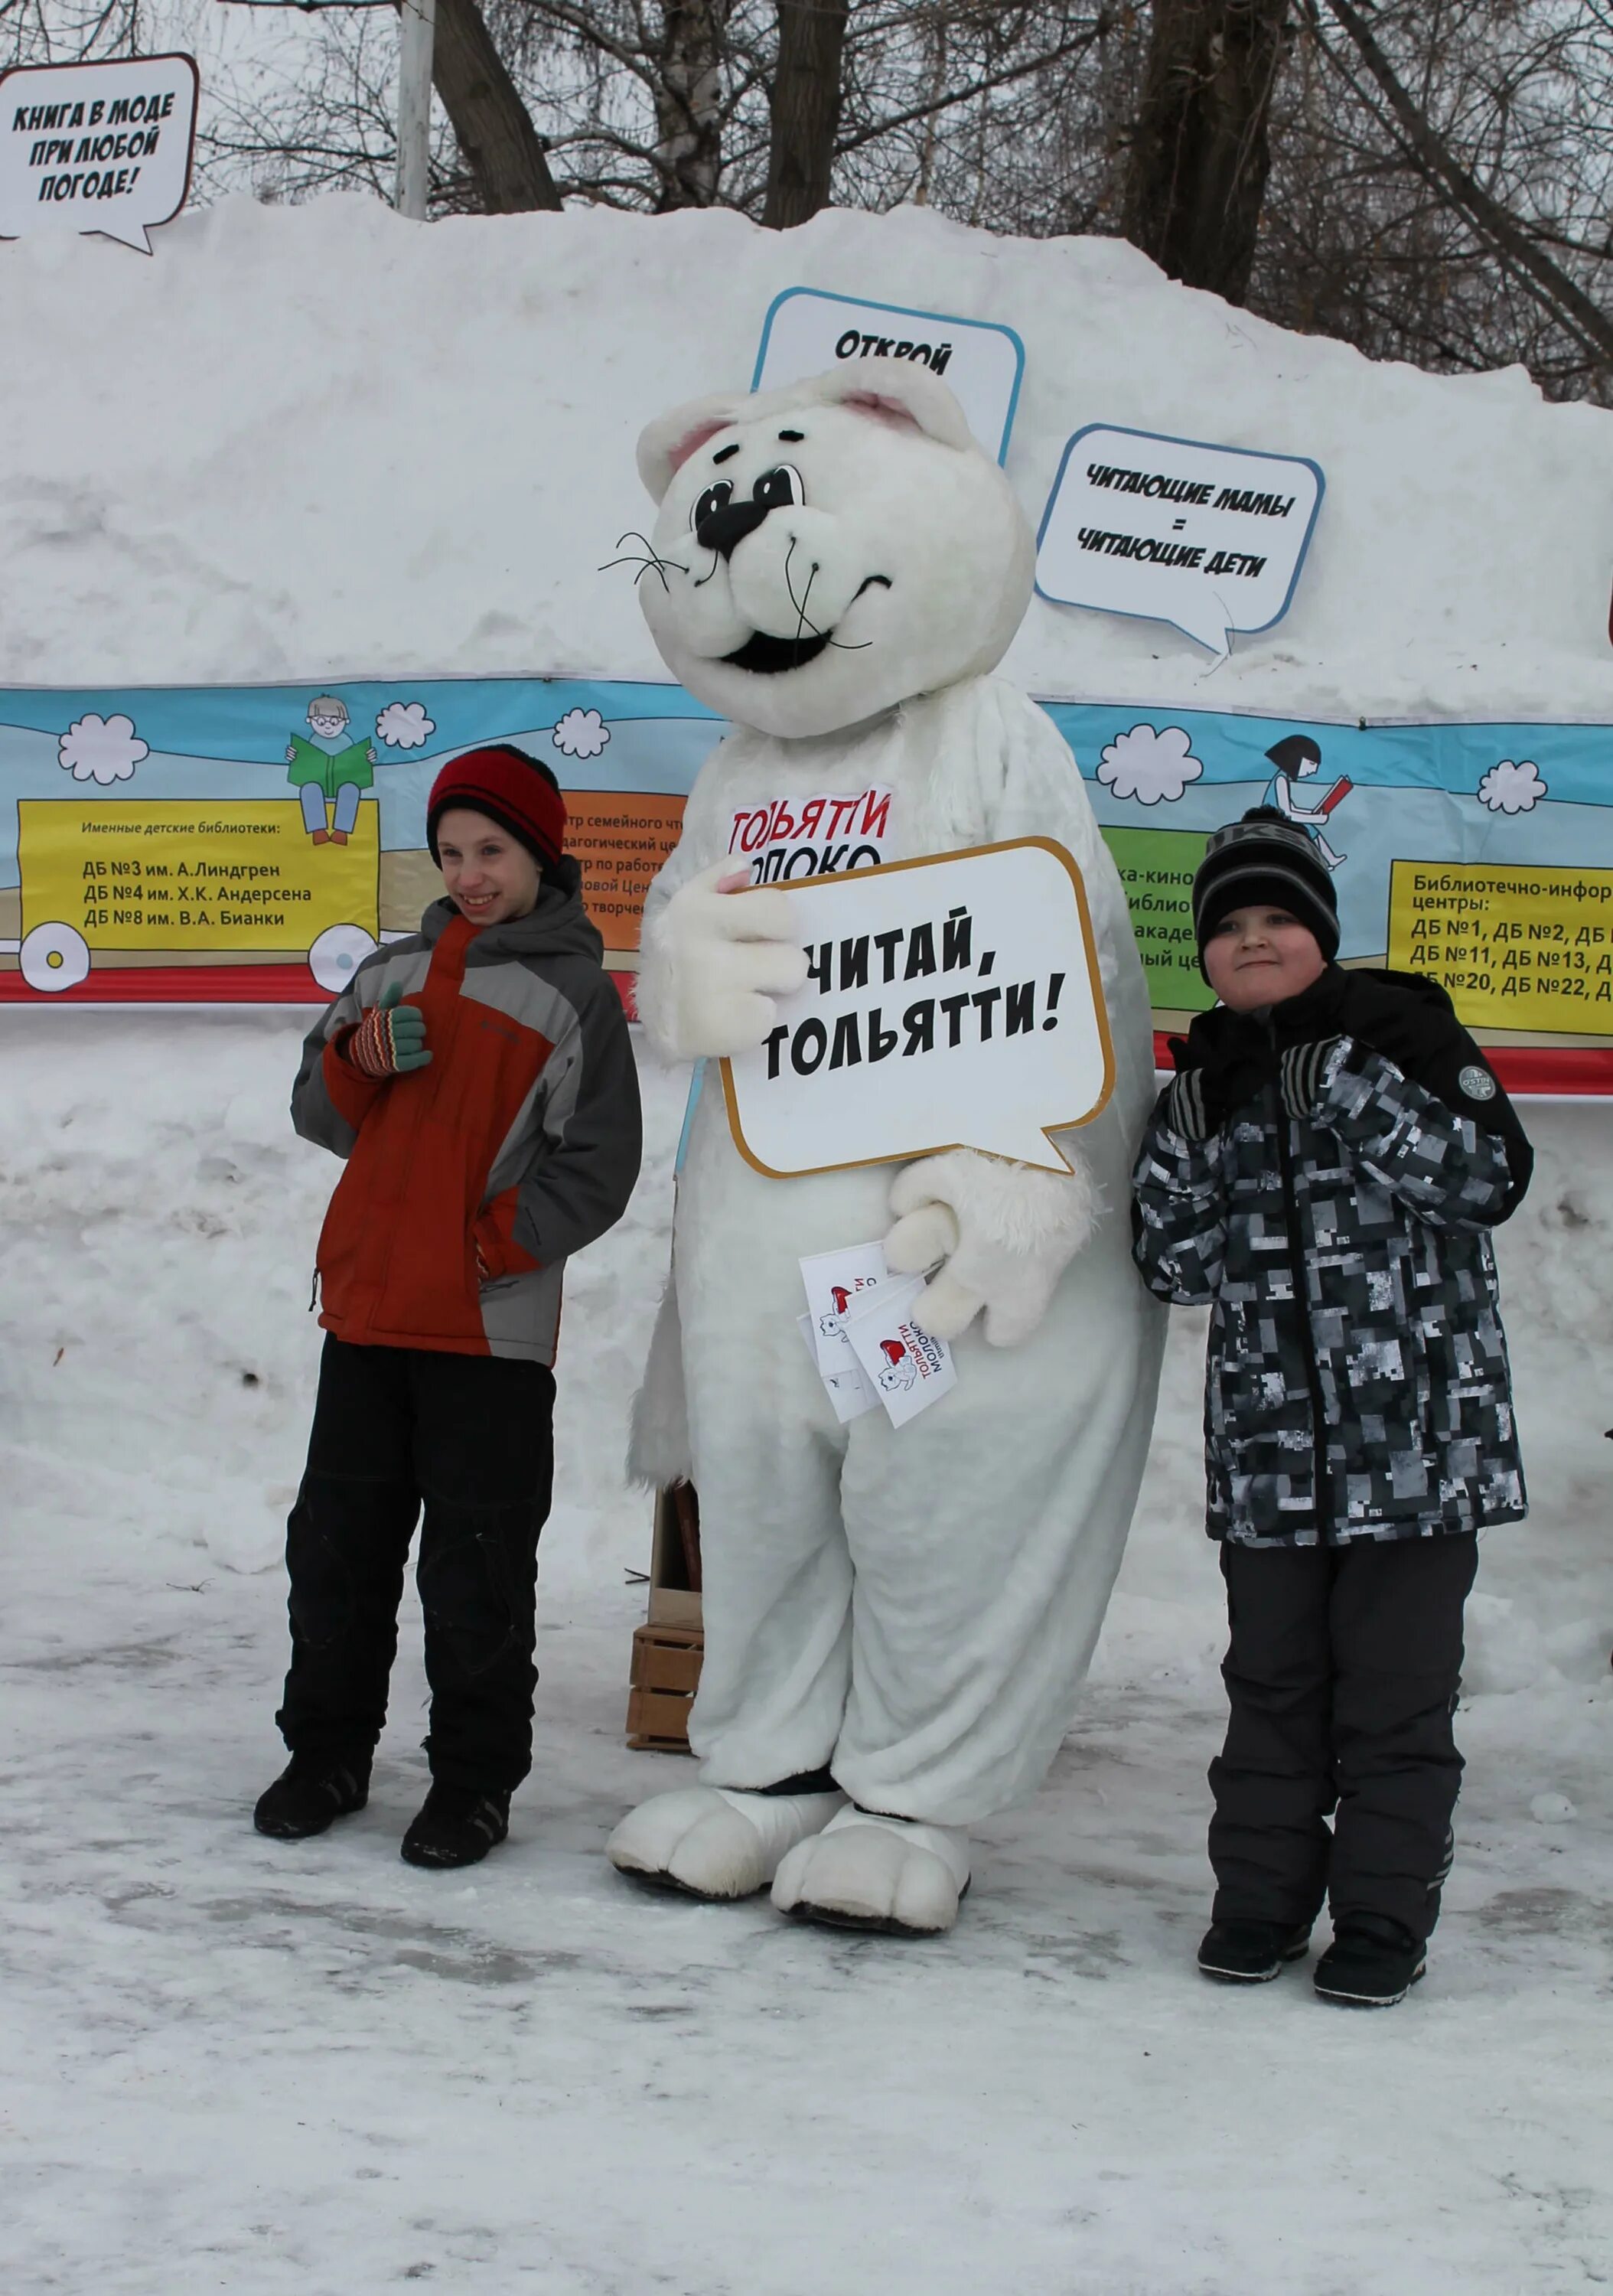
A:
(479, 1080)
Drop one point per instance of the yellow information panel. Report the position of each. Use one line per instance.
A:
(1517, 947)
(194, 880)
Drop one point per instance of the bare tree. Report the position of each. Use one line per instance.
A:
(503, 151)
(69, 31)
(639, 100)
(1448, 200)
(329, 123)
(1518, 248)
(654, 104)
(1201, 153)
(805, 102)
(1001, 116)
(689, 105)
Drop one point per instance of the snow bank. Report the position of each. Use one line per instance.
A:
(324, 441)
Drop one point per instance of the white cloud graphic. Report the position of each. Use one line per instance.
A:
(1509, 788)
(1150, 765)
(580, 734)
(104, 749)
(404, 726)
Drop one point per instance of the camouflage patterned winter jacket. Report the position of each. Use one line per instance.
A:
(1358, 1383)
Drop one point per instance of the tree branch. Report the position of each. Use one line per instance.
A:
(501, 148)
(1429, 152)
(1044, 60)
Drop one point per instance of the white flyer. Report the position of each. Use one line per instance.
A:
(834, 1281)
(910, 1369)
(847, 1391)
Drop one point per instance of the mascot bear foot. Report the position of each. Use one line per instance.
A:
(868, 1872)
(714, 1841)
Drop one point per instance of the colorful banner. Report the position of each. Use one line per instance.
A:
(1478, 853)
(200, 845)
(251, 844)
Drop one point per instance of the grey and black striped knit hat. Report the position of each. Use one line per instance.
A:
(1265, 859)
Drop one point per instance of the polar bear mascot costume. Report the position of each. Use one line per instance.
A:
(896, 1623)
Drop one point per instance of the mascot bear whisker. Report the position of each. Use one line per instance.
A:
(897, 1622)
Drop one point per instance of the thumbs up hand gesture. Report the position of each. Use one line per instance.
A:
(391, 1039)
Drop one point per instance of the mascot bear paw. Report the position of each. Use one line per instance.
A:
(1006, 1234)
(863, 1871)
(714, 1841)
(714, 961)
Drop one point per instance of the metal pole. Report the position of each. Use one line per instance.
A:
(417, 36)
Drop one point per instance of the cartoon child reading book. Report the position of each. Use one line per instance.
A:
(1297, 758)
(329, 769)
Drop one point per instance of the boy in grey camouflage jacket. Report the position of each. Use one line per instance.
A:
(1324, 1170)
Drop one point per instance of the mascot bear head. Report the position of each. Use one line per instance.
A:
(825, 550)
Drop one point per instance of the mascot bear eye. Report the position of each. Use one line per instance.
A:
(778, 488)
(715, 498)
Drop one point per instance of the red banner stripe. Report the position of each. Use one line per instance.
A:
(1577, 1071)
(200, 984)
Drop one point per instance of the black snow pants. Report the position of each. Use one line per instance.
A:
(1342, 1672)
(472, 1437)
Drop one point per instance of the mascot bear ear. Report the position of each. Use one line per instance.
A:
(668, 443)
(895, 391)
(886, 391)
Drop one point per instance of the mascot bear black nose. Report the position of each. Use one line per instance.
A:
(723, 530)
(722, 524)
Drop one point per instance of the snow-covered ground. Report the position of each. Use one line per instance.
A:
(232, 2064)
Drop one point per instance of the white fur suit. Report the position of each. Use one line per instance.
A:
(912, 1611)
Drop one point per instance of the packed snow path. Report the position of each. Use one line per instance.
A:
(241, 2065)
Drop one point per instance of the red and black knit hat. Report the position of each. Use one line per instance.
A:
(517, 791)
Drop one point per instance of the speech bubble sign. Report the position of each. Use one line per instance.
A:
(102, 147)
(951, 1004)
(1209, 539)
(807, 333)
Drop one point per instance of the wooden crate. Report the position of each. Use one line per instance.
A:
(665, 1675)
(665, 1669)
(675, 1558)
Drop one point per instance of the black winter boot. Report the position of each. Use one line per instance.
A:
(311, 1793)
(455, 1826)
(1372, 1963)
(1251, 1953)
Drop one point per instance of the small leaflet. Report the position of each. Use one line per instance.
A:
(908, 1368)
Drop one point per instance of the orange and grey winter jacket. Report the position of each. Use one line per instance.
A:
(519, 1143)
